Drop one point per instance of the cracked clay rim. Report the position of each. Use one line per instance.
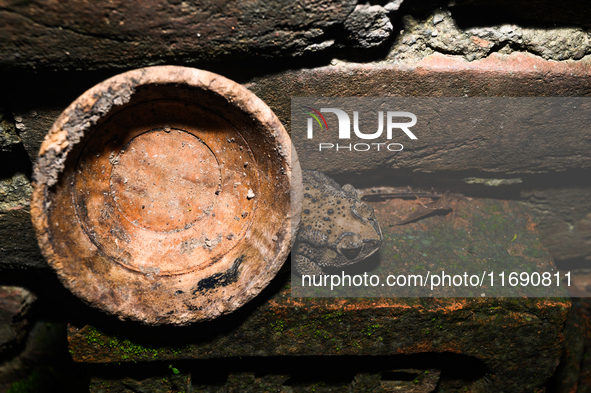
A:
(163, 195)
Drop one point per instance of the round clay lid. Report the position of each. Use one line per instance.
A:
(164, 195)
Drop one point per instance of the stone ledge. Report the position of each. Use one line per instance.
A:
(518, 341)
(515, 75)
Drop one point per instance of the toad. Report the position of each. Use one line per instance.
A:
(337, 229)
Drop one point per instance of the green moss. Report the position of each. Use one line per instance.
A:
(123, 347)
(371, 329)
(437, 322)
(94, 336)
(278, 326)
(333, 315)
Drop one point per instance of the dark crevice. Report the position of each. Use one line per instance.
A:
(15, 161)
(544, 15)
(301, 371)
(454, 181)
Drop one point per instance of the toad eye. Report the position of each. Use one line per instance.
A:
(364, 211)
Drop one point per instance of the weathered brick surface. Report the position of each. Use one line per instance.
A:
(516, 75)
(18, 244)
(33, 125)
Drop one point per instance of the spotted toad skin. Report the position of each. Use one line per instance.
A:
(337, 229)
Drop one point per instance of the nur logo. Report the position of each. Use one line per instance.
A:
(345, 123)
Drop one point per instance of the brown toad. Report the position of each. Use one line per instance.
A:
(337, 229)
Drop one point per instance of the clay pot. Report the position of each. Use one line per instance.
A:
(162, 195)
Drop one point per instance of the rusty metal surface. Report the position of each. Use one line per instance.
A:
(163, 195)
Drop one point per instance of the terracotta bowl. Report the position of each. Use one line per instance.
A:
(163, 195)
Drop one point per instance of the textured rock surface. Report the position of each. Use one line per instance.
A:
(15, 193)
(15, 306)
(516, 75)
(368, 26)
(8, 136)
(562, 203)
(33, 125)
(18, 243)
(439, 32)
(49, 35)
(120, 34)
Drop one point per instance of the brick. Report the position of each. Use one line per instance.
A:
(516, 75)
(558, 198)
